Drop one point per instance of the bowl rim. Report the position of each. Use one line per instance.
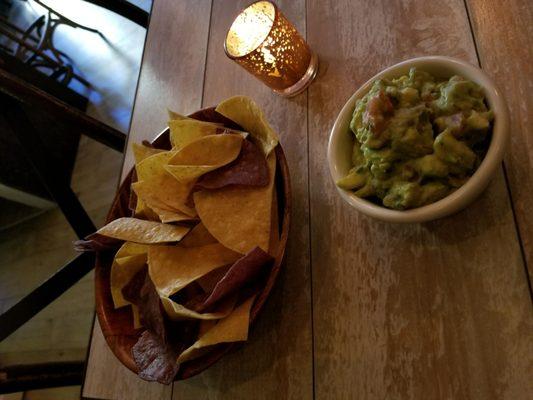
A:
(461, 197)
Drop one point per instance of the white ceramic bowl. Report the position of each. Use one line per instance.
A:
(341, 142)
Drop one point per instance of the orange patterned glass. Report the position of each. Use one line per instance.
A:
(264, 42)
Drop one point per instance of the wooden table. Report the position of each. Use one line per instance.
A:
(364, 309)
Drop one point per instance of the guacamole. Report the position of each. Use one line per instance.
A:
(417, 138)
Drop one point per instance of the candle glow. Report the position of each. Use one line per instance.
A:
(250, 29)
(266, 44)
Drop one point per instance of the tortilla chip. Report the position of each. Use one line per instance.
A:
(172, 115)
(174, 267)
(233, 328)
(122, 270)
(245, 112)
(136, 317)
(185, 131)
(132, 290)
(141, 231)
(177, 312)
(204, 155)
(238, 217)
(147, 212)
(167, 216)
(141, 292)
(158, 184)
(152, 167)
(206, 325)
(142, 190)
(155, 359)
(245, 270)
(249, 169)
(142, 210)
(198, 236)
(210, 280)
(131, 249)
(173, 199)
(96, 242)
(140, 152)
(156, 350)
(213, 149)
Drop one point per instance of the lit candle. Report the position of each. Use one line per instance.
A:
(265, 43)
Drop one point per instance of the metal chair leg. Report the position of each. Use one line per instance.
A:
(47, 292)
(31, 143)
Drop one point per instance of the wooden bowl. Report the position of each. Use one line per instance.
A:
(117, 324)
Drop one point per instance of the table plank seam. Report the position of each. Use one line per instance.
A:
(310, 247)
(518, 235)
(472, 32)
(505, 175)
(87, 356)
(205, 61)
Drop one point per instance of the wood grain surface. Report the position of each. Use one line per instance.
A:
(172, 71)
(172, 75)
(364, 309)
(276, 362)
(504, 38)
(429, 311)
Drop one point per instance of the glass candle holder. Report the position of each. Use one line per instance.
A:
(264, 42)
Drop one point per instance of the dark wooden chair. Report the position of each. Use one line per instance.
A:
(126, 9)
(25, 110)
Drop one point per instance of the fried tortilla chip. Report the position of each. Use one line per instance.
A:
(155, 359)
(245, 112)
(141, 231)
(249, 169)
(142, 190)
(132, 290)
(122, 270)
(185, 131)
(239, 217)
(175, 199)
(157, 183)
(244, 271)
(96, 242)
(174, 267)
(140, 152)
(167, 216)
(198, 236)
(136, 317)
(172, 115)
(204, 155)
(206, 325)
(210, 280)
(233, 328)
(143, 211)
(177, 312)
(140, 291)
(131, 249)
(156, 350)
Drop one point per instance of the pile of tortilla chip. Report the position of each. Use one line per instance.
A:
(202, 237)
